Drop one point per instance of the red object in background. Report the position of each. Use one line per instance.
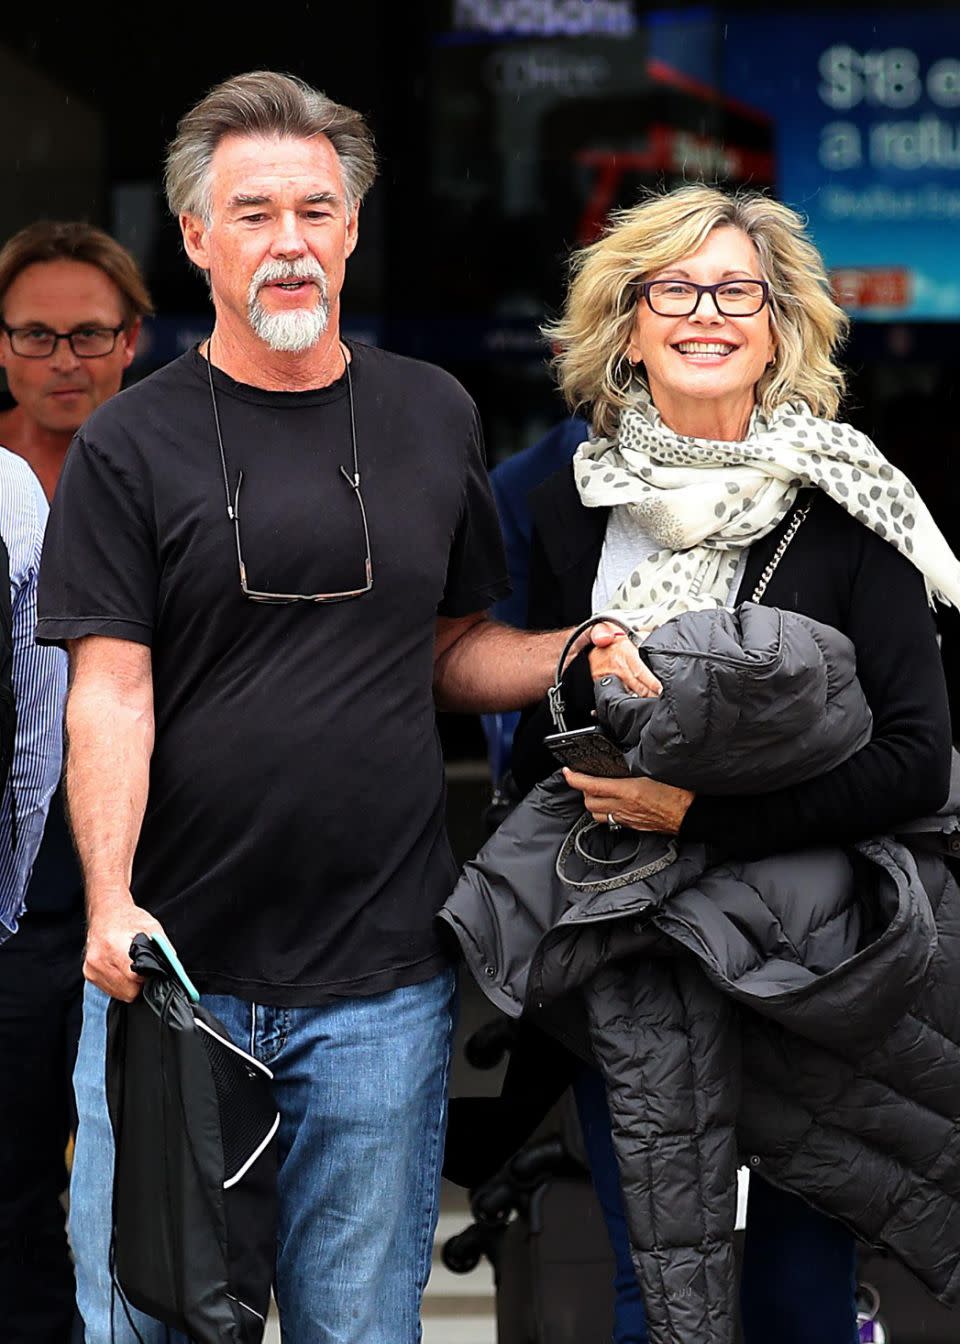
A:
(672, 152)
(698, 133)
(871, 286)
(672, 78)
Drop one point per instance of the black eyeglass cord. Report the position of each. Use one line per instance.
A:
(353, 480)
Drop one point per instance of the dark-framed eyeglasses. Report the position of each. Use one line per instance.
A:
(681, 298)
(36, 342)
(233, 512)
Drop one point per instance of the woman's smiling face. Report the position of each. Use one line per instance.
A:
(702, 370)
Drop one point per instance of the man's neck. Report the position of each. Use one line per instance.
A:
(249, 360)
(44, 449)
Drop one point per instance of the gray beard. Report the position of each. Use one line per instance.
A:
(291, 332)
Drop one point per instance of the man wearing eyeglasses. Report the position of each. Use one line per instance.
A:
(71, 302)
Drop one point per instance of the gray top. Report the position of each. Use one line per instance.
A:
(625, 545)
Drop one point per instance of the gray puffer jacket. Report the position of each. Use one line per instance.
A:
(800, 1012)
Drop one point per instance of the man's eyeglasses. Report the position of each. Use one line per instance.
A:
(40, 342)
(256, 596)
(233, 510)
(681, 298)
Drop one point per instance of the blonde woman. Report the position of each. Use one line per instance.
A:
(699, 337)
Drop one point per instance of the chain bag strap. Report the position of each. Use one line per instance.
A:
(779, 553)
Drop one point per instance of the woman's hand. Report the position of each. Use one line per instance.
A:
(641, 804)
(614, 655)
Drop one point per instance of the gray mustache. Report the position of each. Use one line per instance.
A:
(271, 274)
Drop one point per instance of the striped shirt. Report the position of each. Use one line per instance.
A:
(39, 688)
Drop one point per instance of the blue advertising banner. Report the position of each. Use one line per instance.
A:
(866, 111)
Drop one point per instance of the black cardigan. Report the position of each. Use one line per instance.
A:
(835, 570)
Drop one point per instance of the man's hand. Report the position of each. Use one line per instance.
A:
(642, 804)
(614, 655)
(113, 923)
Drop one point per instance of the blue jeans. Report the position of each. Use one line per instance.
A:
(798, 1281)
(361, 1085)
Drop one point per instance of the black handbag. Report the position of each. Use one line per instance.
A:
(614, 861)
(194, 1190)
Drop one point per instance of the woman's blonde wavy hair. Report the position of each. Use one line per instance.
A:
(591, 336)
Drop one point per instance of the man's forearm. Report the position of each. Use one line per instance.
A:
(493, 667)
(109, 742)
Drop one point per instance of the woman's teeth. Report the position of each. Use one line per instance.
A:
(704, 347)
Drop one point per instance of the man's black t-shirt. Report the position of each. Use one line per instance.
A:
(293, 844)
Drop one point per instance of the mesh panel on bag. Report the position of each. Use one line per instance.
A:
(248, 1113)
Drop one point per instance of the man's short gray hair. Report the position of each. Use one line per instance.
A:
(263, 102)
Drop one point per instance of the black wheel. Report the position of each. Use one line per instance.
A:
(463, 1253)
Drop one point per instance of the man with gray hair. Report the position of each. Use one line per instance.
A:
(301, 551)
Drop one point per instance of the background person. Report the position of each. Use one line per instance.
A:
(71, 305)
(699, 334)
(36, 1282)
(511, 482)
(72, 302)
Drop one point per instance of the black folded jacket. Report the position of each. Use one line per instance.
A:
(194, 1191)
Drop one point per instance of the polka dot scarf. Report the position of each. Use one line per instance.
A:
(703, 501)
